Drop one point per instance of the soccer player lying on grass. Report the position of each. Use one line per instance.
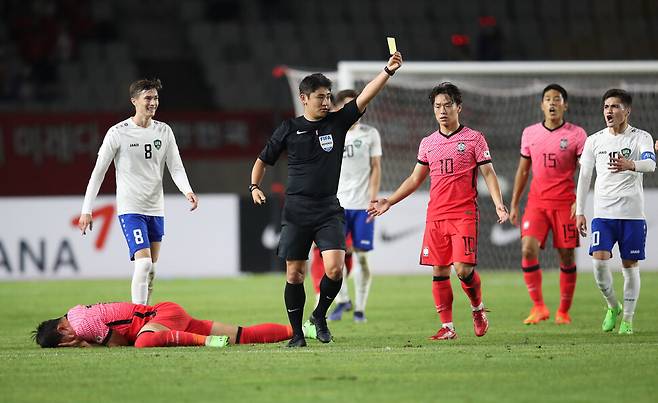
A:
(162, 325)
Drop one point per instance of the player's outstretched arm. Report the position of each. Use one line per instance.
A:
(520, 181)
(257, 174)
(490, 178)
(410, 185)
(376, 85)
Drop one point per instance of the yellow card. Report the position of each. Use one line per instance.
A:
(391, 45)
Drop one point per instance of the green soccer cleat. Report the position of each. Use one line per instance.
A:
(611, 318)
(217, 341)
(625, 327)
(309, 330)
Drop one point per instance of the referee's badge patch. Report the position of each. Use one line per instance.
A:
(327, 142)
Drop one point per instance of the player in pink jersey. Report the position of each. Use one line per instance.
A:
(550, 150)
(162, 325)
(451, 156)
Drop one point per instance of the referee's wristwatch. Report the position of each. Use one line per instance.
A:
(253, 186)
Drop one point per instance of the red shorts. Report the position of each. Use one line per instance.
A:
(174, 317)
(537, 222)
(449, 241)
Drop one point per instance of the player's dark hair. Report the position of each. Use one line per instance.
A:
(342, 95)
(449, 89)
(311, 83)
(144, 84)
(558, 88)
(47, 335)
(624, 96)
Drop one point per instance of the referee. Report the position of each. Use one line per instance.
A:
(314, 143)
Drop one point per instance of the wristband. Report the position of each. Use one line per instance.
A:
(389, 71)
(252, 187)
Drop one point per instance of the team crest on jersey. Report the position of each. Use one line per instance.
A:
(461, 147)
(157, 144)
(564, 143)
(326, 142)
(357, 143)
(626, 152)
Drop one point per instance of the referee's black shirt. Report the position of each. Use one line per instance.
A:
(315, 151)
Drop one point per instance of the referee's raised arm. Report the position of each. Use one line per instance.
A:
(374, 86)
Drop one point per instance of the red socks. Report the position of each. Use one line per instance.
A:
(567, 287)
(442, 292)
(264, 333)
(317, 269)
(169, 338)
(532, 277)
(472, 287)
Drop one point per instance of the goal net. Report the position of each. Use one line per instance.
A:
(500, 100)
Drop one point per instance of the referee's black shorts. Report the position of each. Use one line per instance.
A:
(306, 220)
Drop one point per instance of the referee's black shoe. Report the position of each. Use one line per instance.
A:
(322, 330)
(297, 341)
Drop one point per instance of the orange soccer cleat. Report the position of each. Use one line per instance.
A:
(537, 314)
(562, 318)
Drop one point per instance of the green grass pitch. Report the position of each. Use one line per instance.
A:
(389, 359)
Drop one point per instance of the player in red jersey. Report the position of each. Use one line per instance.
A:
(550, 150)
(451, 156)
(162, 325)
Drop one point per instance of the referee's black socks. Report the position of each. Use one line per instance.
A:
(295, 298)
(328, 291)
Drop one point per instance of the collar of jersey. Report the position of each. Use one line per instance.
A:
(564, 122)
(451, 134)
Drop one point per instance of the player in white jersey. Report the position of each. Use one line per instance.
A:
(621, 154)
(360, 178)
(139, 147)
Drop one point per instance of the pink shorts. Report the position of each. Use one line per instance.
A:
(448, 241)
(537, 222)
(174, 317)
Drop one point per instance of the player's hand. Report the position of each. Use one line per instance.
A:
(514, 216)
(377, 208)
(194, 199)
(502, 212)
(581, 224)
(656, 146)
(84, 222)
(573, 210)
(621, 164)
(395, 62)
(258, 196)
(75, 342)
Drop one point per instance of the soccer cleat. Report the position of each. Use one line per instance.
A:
(217, 341)
(445, 333)
(321, 329)
(341, 307)
(480, 322)
(562, 318)
(297, 341)
(359, 317)
(537, 314)
(309, 330)
(611, 318)
(625, 327)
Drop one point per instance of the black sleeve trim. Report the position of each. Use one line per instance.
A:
(484, 162)
(423, 162)
(107, 338)
(525, 156)
(238, 335)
